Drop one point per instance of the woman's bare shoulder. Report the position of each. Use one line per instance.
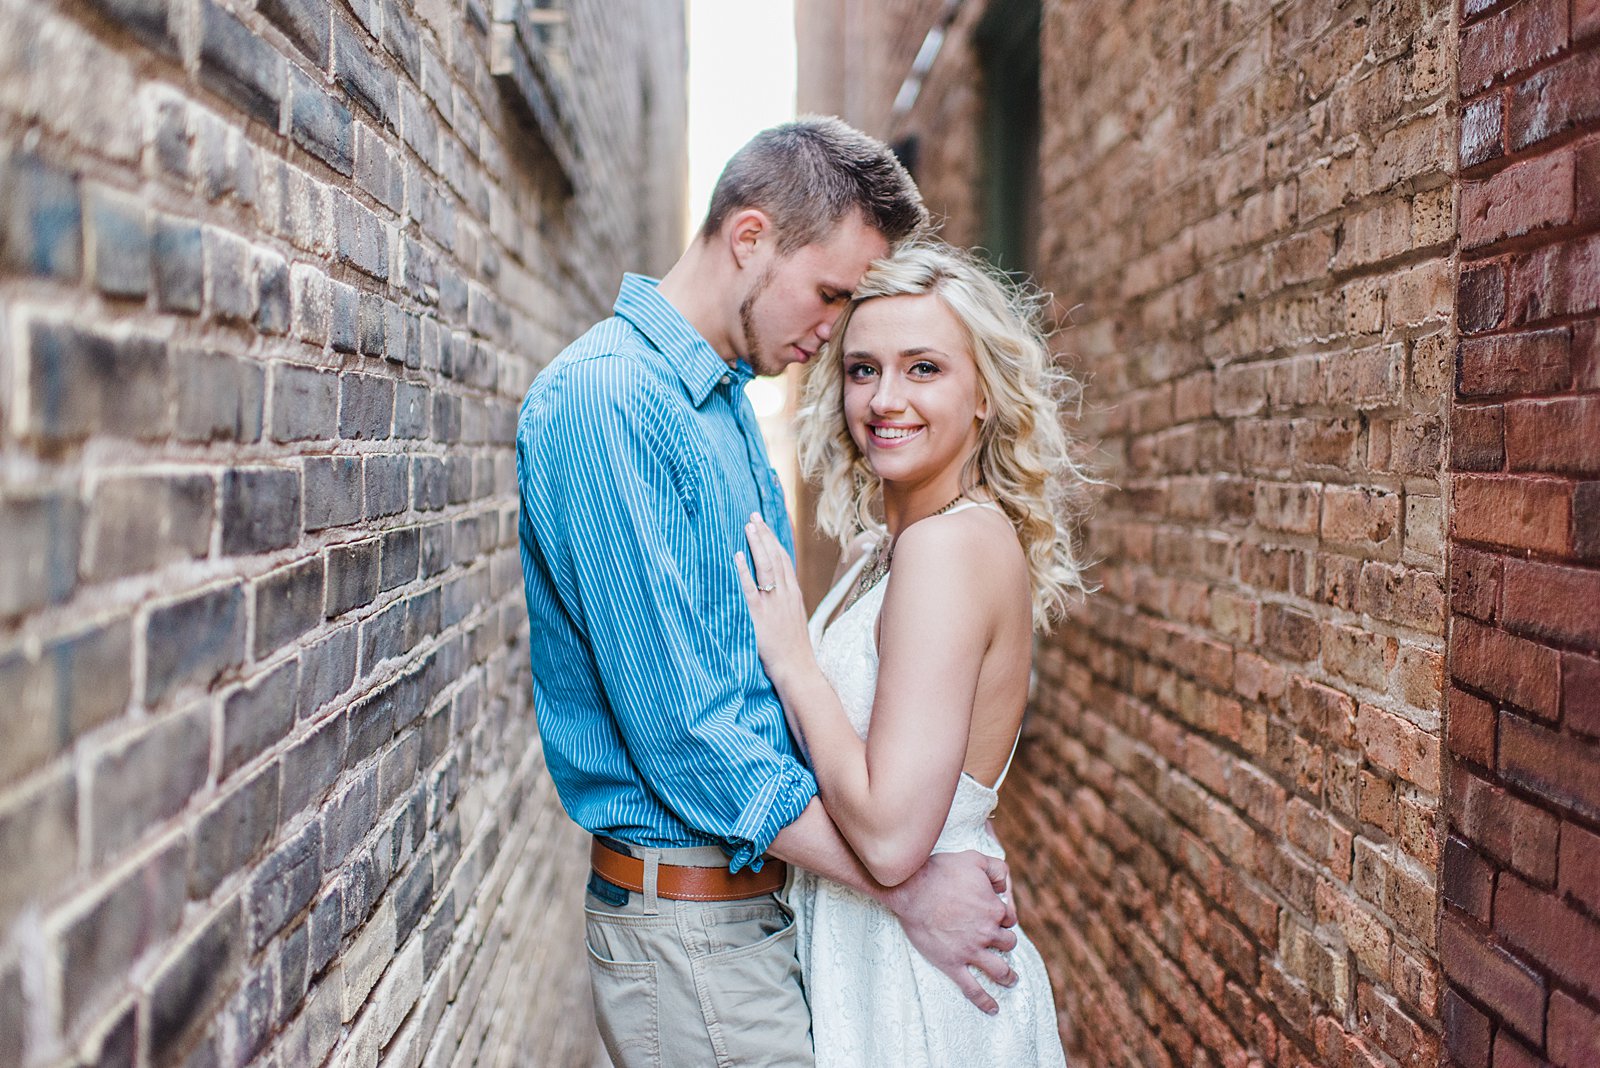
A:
(973, 552)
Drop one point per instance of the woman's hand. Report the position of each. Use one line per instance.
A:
(776, 607)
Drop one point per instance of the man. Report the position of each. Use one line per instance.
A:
(639, 462)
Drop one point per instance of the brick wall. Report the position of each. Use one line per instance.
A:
(273, 278)
(1519, 937)
(1229, 795)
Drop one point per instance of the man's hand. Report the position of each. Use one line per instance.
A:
(957, 911)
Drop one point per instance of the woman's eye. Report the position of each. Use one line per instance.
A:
(860, 371)
(922, 368)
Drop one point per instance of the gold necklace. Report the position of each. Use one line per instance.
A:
(877, 565)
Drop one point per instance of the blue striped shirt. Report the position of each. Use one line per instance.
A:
(639, 461)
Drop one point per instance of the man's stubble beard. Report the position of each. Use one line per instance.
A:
(753, 354)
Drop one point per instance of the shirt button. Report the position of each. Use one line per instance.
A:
(727, 379)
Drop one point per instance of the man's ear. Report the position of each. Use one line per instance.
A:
(749, 235)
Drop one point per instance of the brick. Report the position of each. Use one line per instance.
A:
(140, 522)
(43, 217)
(1580, 693)
(352, 576)
(230, 272)
(1471, 728)
(1506, 667)
(1560, 435)
(383, 636)
(373, 336)
(1508, 829)
(1399, 745)
(193, 982)
(311, 303)
(366, 407)
(387, 489)
(100, 940)
(1564, 941)
(272, 293)
(1533, 362)
(362, 239)
(178, 265)
(1467, 880)
(119, 242)
(1551, 602)
(260, 509)
(1573, 1032)
(1475, 583)
(77, 682)
(1523, 513)
(1481, 298)
(411, 409)
(379, 173)
(437, 550)
(1468, 1033)
(312, 765)
(327, 668)
(1580, 866)
(401, 554)
(40, 565)
(1554, 100)
(1586, 520)
(332, 491)
(39, 822)
(256, 717)
(367, 81)
(320, 124)
(82, 383)
(1556, 280)
(1492, 976)
(233, 831)
(1482, 130)
(284, 885)
(288, 602)
(1360, 515)
(239, 65)
(219, 398)
(1549, 765)
(304, 22)
(343, 324)
(1408, 596)
(348, 818)
(193, 640)
(1510, 41)
(145, 780)
(1520, 199)
(305, 403)
(428, 484)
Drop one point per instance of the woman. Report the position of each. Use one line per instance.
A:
(935, 406)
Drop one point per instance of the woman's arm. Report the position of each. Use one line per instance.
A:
(890, 795)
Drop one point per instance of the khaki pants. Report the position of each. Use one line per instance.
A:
(679, 984)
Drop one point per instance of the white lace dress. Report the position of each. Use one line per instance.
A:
(876, 1001)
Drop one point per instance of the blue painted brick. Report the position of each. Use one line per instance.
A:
(179, 265)
(304, 22)
(320, 124)
(239, 65)
(120, 237)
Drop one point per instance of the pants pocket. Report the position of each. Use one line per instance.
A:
(751, 992)
(626, 1000)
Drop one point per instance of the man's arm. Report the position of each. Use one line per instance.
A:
(956, 909)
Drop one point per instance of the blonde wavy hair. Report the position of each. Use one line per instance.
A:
(1024, 458)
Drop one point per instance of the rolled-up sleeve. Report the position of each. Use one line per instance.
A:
(612, 492)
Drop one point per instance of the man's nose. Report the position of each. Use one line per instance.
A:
(824, 329)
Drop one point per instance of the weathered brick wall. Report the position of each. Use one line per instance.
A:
(273, 278)
(1228, 798)
(1520, 938)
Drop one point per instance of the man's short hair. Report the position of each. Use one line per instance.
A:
(808, 175)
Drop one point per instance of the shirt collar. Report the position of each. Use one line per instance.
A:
(691, 356)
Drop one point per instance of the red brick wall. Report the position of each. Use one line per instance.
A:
(1519, 938)
(1225, 818)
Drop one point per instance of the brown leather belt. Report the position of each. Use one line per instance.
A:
(677, 883)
